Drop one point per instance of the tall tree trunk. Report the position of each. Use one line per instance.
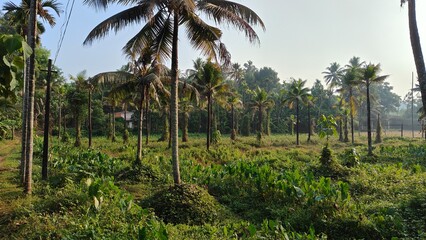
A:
(125, 131)
(268, 122)
(77, 131)
(24, 139)
(352, 115)
(140, 127)
(341, 120)
(309, 123)
(260, 123)
(346, 127)
(370, 147)
(209, 120)
(174, 111)
(113, 122)
(60, 120)
(297, 122)
(165, 136)
(90, 118)
(147, 115)
(31, 90)
(417, 49)
(46, 124)
(185, 126)
(233, 131)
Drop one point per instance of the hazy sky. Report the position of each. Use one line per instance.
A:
(302, 38)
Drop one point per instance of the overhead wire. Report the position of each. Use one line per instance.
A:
(64, 28)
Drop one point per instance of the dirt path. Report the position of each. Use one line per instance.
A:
(9, 189)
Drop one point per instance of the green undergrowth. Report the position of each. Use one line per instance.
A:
(237, 190)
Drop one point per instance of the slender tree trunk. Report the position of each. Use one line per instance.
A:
(309, 123)
(166, 130)
(233, 131)
(185, 127)
(46, 124)
(170, 129)
(90, 118)
(352, 115)
(174, 111)
(31, 90)
(209, 120)
(346, 127)
(268, 122)
(24, 139)
(260, 122)
(77, 131)
(147, 115)
(297, 122)
(370, 147)
(125, 131)
(417, 49)
(60, 120)
(341, 121)
(140, 127)
(113, 122)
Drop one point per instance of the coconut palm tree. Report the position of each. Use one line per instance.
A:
(333, 75)
(210, 84)
(416, 47)
(333, 78)
(351, 79)
(163, 19)
(261, 102)
(370, 75)
(18, 15)
(146, 80)
(295, 95)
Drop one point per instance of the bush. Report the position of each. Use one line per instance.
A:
(350, 157)
(185, 204)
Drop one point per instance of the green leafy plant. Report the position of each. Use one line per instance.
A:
(326, 126)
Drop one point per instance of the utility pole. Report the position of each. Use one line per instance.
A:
(46, 123)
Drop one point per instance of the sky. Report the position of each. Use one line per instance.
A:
(302, 38)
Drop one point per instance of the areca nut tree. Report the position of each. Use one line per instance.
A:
(261, 102)
(371, 75)
(296, 94)
(162, 21)
(26, 16)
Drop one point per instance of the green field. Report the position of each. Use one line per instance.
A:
(237, 190)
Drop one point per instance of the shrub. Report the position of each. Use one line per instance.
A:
(185, 204)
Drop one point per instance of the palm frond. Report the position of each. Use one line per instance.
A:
(234, 14)
(111, 77)
(118, 21)
(203, 36)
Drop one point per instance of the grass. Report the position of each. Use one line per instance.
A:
(270, 190)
